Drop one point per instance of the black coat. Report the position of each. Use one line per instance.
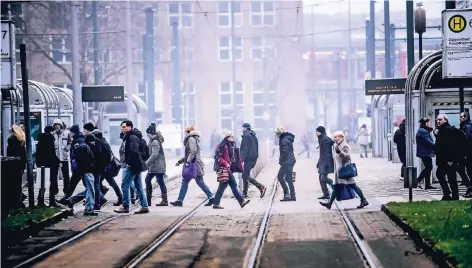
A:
(133, 156)
(449, 144)
(249, 147)
(400, 139)
(287, 156)
(325, 163)
(82, 160)
(46, 151)
(16, 149)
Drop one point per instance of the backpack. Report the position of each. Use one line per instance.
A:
(144, 150)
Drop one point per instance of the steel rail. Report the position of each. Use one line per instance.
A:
(263, 229)
(365, 250)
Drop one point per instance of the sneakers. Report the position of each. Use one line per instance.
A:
(218, 207)
(121, 210)
(263, 190)
(118, 203)
(326, 205)
(177, 203)
(90, 213)
(244, 203)
(364, 203)
(142, 211)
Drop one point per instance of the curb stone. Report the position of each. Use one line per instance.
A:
(17, 235)
(438, 256)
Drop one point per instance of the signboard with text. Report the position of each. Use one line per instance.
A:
(385, 86)
(457, 43)
(103, 93)
(8, 55)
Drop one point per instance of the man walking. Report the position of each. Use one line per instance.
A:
(466, 127)
(249, 155)
(325, 163)
(132, 166)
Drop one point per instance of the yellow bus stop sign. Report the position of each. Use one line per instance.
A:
(457, 23)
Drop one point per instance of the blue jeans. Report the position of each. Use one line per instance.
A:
(88, 181)
(159, 179)
(200, 183)
(81, 196)
(130, 177)
(234, 188)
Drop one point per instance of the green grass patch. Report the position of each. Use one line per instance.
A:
(21, 218)
(447, 225)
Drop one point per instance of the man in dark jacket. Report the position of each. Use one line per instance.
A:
(325, 163)
(448, 156)
(466, 127)
(108, 154)
(133, 165)
(400, 139)
(46, 157)
(249, 155)
(95, 146)
(75, 179)
(286, 162)
(83, 164)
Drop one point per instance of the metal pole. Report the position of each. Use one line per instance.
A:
(410, 45)
(393, 61)
(96, 45)
(150, 66)
(129, 65)
(313, 79)
(450, 4)
(187, 104)
(340, 98)
(233, 68)
(26, 115)
(372, 36)
(350, 65)
(177, 98)
(76, 89)
(388, 66)
(420, 45)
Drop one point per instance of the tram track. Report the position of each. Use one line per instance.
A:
(30, 261)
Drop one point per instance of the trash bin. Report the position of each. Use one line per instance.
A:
(12, 169)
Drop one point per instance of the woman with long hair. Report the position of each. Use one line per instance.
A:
(425, 151)
(342, 157)
(16, 147)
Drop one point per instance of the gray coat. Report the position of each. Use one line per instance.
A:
(157, 161)
(192, 151)
(342, 159)
(325, 163)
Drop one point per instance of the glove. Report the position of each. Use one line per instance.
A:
(177, 164)
(318, 165)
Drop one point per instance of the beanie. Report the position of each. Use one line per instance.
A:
(48, 129)
(89, 127)
(89, 138)
(247, 125)
(321, 129)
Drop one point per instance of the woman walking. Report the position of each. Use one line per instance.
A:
(192, 154)
(342, 157)
(156, 164)
(425, 151)
(363, 140)
(226, 158)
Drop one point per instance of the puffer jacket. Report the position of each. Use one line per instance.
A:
(424, 142)
(62, 144)
(287, 156)
(133, 158)
(157, 161)
(192, 151)
(249, 147)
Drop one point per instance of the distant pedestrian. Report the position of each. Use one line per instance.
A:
(306, 146)
(400, 139)
(363, 140)
(287, 162)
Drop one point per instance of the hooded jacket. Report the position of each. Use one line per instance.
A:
(249, 147)
(192, 151)
(82, 160)
(75, 130)
(287, 156)
(62, 142)
(132, 155)
(46, 152)
(157, 161)
(400, 139)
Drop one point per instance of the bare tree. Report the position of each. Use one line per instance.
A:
(45, 25)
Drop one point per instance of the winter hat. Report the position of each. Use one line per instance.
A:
(89, 126)
(228, 134)
(57, 121)
(279, 130)
(321, 129)
(75, 129)
(89, 138)
(151, 129)
(48, 129)
(247, 125)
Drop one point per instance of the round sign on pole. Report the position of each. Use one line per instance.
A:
(457, 23)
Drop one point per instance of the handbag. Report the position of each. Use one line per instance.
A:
(222, 175)
(189, 171)
(344, 192)
(348, 171)
(113, 168)
(236, 163)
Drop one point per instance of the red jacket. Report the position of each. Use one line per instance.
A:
(225, 159)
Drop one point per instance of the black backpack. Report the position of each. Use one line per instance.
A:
(143, 148)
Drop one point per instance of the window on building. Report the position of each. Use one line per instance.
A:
(224, 46)
(263, 47)
(226, 103)
(60, 50)
(14, 12)
(57, 14)
(224, 14)
(260, 111)
(181, 13)
(263, 13)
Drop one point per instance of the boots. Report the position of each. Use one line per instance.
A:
(149, 195)
(364, 203)
(164, 201)
(326, 205)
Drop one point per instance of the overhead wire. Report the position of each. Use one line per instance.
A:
(207, 19)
